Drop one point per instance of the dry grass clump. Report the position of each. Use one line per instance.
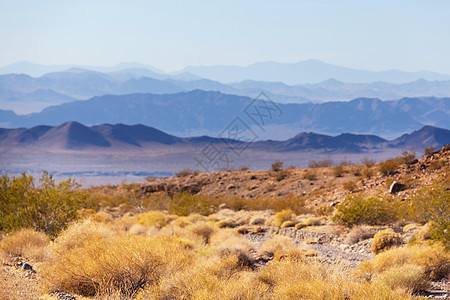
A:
(358, 234)
(202, 231)
(275, 244)
(280, 217)
(123, 264)
(435, 260)
(349, 185)
(185, 221)
(407, 277)
(287, 224)
(79, 233)
(27, 243)
(313, 221)
(384, 240)
(226, 223)
(257, 220)
(153, 218)
(293, 279)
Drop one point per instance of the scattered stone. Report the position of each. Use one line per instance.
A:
(396, 187)
(231, 186)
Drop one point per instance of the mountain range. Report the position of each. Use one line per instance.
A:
(76, 136)
(198, 112)
(302, 72)
(25, 94)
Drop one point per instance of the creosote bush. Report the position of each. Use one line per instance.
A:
(357, 210)
(277, 166)
(46, 206)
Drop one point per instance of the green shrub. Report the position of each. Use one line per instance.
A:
(356, 210)
(184, 204)
(432, 204)
(46, 206)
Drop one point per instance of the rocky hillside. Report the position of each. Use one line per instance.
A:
(320, 186)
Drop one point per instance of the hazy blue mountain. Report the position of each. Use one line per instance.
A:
(73, 136)
(37, 70)
(83, 84)
(200, 112)
(308, 71)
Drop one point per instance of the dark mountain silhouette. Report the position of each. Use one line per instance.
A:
(75, 136)
(420, 139)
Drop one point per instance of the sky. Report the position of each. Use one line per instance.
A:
(373, 35)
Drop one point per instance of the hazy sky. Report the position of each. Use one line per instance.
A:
(375, 35)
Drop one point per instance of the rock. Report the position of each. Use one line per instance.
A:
(396, 187)
(27, 267)
(231, 186)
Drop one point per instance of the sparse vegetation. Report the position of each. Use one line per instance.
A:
(277, 166)
(45, 206)
(357, 210)
(186, 242)
(325, 163)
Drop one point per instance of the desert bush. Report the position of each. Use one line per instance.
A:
(388, 167)
(277, 166)
(46, 206)
(287, 224)
(368, 162)
(186, 172)
(358, 234)
(257, 220)
(429, 150)
(432, 204)
(313, 221)
(204, 231)
(349, 185)
(357, 210)
(310, 175)
(153, 218)
(407, 157)
(184, 204)
(276, 243)
(188, 220)
(244, 168)
(320, 163)
(384, 240)
(368, 172)
(280, 217)
(26, 243)
(282, 174)
(338, 171)
(407, 277)
(226, 223)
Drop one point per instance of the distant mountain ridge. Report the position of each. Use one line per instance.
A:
(198, 112)
(75, 136)
(308, 71)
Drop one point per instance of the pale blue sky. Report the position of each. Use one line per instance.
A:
(375, 35)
